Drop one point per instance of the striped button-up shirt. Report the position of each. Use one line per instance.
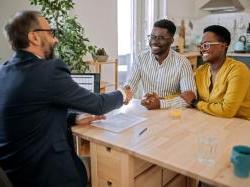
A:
(168, 79)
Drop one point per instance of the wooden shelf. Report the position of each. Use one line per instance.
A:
(98, 69)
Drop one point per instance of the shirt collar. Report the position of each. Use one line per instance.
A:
(170, 54)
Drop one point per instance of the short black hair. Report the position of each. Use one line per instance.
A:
(221, 32)
(19, 26)
(166, 24)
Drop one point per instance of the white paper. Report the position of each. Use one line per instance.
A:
(118, 122)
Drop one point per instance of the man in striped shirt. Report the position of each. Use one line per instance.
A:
(161, 70)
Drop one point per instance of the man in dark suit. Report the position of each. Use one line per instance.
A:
(36, 147)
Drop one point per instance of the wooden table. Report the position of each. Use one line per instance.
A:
(168, 143)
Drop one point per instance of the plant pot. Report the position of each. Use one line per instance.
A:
(101, 58)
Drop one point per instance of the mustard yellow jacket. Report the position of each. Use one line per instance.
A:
(230, 95)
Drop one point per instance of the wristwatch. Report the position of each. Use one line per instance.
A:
(194, 103)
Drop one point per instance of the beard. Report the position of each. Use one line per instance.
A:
(50, 54)
(48, 50)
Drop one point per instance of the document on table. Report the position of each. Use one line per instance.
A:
(118, 122)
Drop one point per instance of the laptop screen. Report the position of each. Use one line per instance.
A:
(89, 81)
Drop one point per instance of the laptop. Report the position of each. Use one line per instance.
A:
(89, 81)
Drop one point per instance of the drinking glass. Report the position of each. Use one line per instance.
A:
(175, 112)
(207, 144)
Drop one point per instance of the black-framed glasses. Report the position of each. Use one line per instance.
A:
(154, 37)
(51, 31)
(207, 45)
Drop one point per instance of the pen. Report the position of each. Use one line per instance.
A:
(140, 133)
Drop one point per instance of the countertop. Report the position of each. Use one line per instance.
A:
(238, 54)
(197, 53)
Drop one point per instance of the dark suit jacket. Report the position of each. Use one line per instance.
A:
(35, 141)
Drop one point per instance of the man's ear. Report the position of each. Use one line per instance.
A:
(34, 39)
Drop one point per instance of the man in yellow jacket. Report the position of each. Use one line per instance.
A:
(223, 84)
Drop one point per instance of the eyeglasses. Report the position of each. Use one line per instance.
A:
(153, 37)
(51, 31)
(207, 45)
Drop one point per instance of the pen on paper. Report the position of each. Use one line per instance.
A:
(140, 133)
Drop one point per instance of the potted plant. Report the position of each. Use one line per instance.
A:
(100, 55)
(73, 45)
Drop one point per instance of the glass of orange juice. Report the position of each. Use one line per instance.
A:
(175, 112)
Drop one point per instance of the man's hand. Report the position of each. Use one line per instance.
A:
(188, 96)
(127, 94)
(151, 101)
(88, 119)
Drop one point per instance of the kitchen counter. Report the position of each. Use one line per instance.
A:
(238, 54)
(192, 56)
(197, 53)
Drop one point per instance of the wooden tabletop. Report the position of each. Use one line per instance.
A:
(173, 143)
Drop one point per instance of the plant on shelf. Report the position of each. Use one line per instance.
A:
(100, 55)
(73, 45)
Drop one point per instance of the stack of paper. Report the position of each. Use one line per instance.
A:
(118, 122)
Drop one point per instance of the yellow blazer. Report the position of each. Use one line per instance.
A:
(230, 95)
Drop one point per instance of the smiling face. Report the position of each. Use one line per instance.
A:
(160, 41)
(211, 48)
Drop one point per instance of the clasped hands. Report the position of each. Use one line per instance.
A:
(151, 101)
(188, 96)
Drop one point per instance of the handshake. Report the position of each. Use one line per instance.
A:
(150, 100)
(127, 94)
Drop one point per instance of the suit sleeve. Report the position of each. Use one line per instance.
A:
(71, 119)
(67, 93)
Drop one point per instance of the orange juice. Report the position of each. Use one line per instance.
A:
(175, 113)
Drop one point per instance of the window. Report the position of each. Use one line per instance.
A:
(135, 22)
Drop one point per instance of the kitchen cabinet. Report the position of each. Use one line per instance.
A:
(243, 57)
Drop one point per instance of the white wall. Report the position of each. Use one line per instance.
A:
(178, 9)
(98, 17)
(8, 9)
